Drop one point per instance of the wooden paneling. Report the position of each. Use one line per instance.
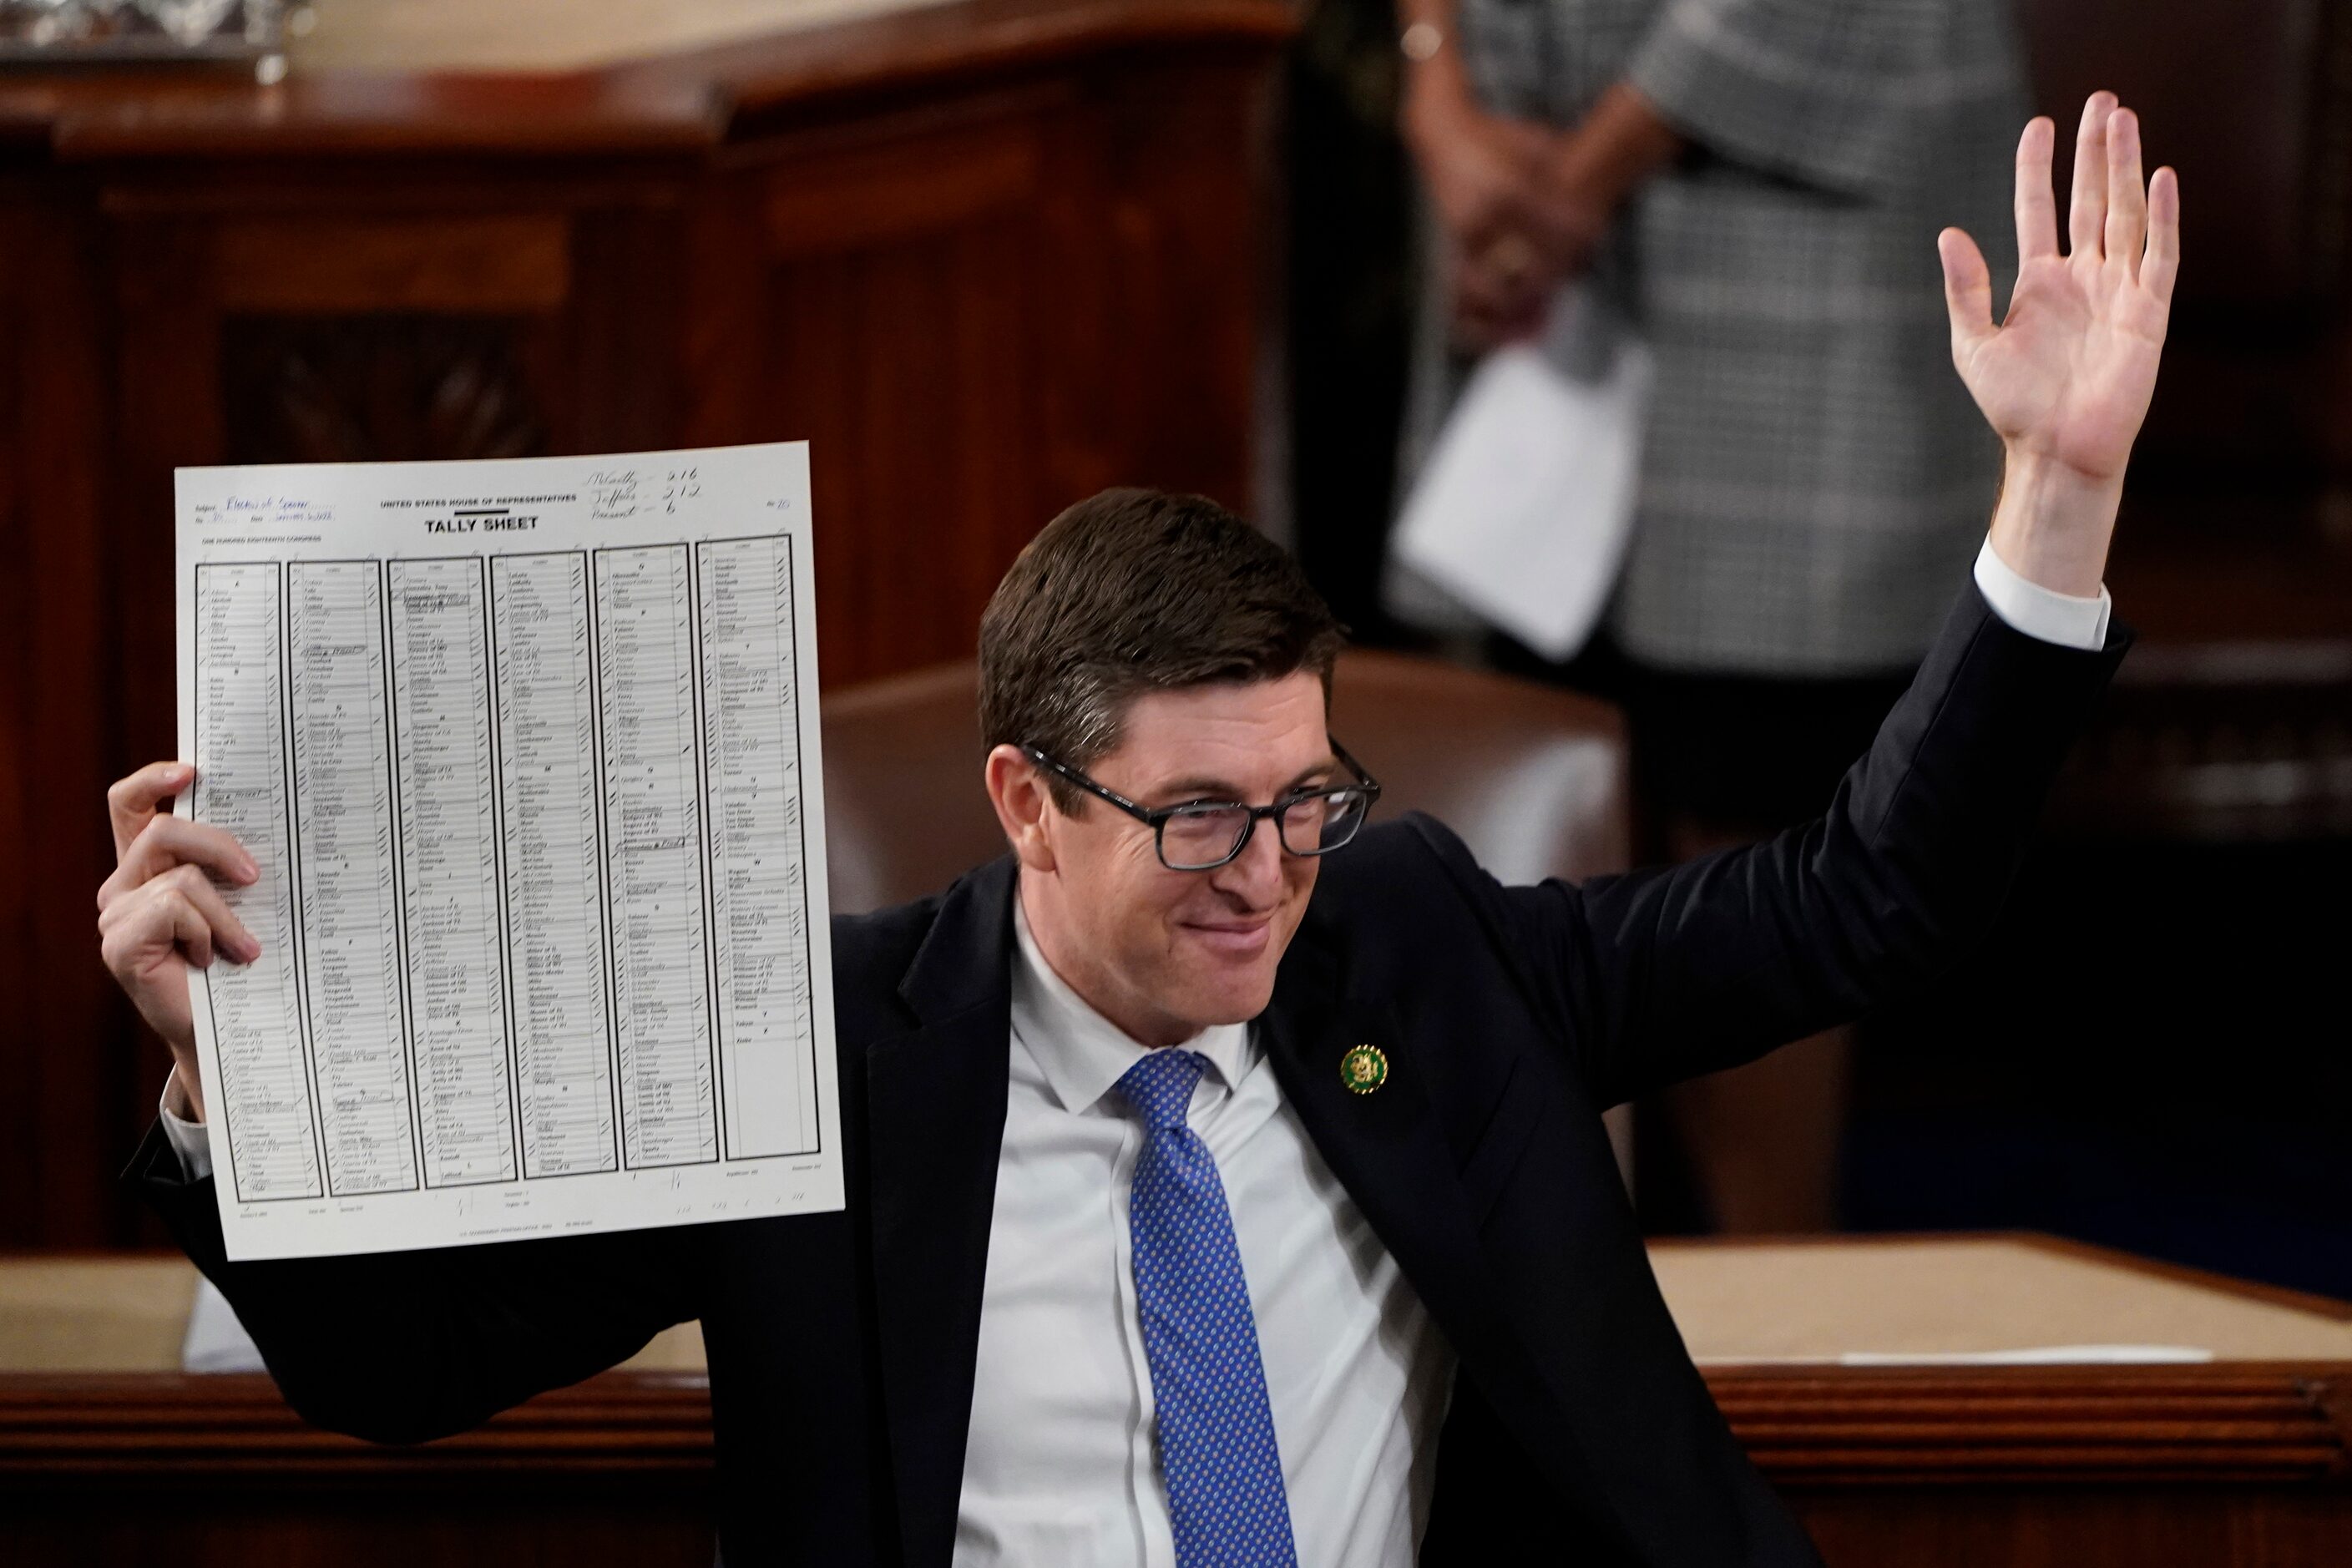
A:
(2257, 116)
(2157, 1526)
(215, 1472)
(907, 350)
(988, 256)
(938, 179)
(2232, 560)
(502, 262)
(930, 472)
(361, 388)
(2039, 1425)
(2074, 1468)
(67, 1051)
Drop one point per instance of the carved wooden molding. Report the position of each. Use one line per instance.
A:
(2242, 1424)
(66, 1428)
(358, 388)
(489, 263)
(879, 193)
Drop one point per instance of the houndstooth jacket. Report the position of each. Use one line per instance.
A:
(1815, 478)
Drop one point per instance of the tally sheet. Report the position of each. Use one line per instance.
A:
(527, 750)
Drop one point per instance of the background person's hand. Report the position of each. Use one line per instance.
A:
(1501, 291)
(1479, 168)
(1504, 289)
(1481, 172)
(1541, 227)
(1569, 213)
(163, 908)
(2066, 378)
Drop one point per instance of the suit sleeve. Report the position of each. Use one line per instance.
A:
(1833, 93)
(406, 1346)
(1664, 973)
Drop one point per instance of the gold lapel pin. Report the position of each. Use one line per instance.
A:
(1364, 1069)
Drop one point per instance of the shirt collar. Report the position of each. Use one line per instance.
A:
(1083, 1053)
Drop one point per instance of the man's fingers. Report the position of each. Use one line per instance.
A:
(165, 921)
(1967, 287)
(191, 932)
(131, 802)
(2126, 230)
(169, 841)
(180, 908)
(2162, 262)
(228, 934)
(2036, 207)
(2087, 215)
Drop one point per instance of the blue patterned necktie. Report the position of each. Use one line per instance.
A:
(1217, 1453)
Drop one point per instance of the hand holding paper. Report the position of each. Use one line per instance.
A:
(503, 795)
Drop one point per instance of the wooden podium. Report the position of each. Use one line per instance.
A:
(986, 256)
(108, 1454)
(2243, 1459)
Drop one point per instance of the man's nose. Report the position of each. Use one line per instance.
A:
(1254, 876)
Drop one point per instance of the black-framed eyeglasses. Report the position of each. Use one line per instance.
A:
(1202, 835)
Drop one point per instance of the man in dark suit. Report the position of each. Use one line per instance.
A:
(1226, 1183)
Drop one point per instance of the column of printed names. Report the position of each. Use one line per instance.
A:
(449, 863)
(257, 1013)
(760, 907)
(342, 809)
(652, 823)
(547, 775)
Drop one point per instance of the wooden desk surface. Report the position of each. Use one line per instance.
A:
(559, 77)
(532, 36)
(2244, 1462)
(127, 1315)
(1808, 1300)
(1738, 1304)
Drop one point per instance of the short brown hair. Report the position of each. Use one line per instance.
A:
(1133, 591)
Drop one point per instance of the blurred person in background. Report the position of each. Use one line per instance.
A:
(1758, 184)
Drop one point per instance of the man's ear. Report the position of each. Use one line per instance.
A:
(1023, 808)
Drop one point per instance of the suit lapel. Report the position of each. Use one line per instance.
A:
(935, 1128)
(935, 1124)
(1386, 1149)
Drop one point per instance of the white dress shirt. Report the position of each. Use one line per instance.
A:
(1060, 1468)
(1060, 1465)
(2071, 620)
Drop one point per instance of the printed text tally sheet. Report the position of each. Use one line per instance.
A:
(527, 753)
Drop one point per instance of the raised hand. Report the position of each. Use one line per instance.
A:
(2067, 376)
(2066, 379)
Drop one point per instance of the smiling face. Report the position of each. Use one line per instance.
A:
(1165, 953)
(1177, 656)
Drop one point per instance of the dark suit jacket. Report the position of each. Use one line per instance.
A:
(842, 1345)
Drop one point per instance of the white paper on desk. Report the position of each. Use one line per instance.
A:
(528, 754)
(1524, 508)
(215, 1340)
(2025, 1355)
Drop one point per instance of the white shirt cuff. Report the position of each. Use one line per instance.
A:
(188, 1138)
(2069, 620)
